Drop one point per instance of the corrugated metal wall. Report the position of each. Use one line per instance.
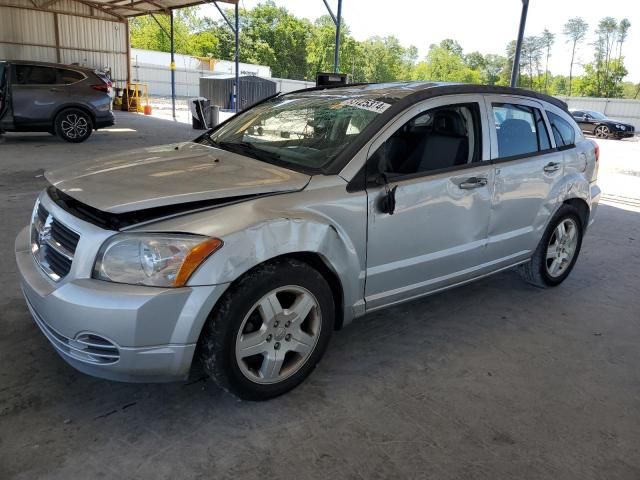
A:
(27, 34)
(617, 108)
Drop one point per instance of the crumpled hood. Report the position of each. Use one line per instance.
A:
(168, 175)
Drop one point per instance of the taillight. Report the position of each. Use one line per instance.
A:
(597, 150)
(103, 87)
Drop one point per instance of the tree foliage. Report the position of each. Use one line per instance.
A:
(297, 48)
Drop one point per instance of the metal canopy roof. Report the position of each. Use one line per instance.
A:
(134, 8)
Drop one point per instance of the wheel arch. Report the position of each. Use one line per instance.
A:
(82, 107)
(583, 210)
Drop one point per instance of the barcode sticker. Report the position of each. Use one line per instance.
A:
(367, 104)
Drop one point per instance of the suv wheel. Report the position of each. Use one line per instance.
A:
(73, 125)
(558, 250)
(269, 330)
(602, 131)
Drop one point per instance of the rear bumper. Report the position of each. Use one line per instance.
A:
(595, 193)
(105, 119)
(119, 332)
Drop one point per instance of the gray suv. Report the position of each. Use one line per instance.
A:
(65, 100)
(248, 247)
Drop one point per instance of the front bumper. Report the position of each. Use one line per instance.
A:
(622, 133)
(119, 332)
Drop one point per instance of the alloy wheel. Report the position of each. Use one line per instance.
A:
(562, 247)
(278, 335)
(74, 126)
(602, 131)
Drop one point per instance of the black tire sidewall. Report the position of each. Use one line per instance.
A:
(57, 125)
(218, 354)
(564, 213)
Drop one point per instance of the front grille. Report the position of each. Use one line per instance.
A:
(86, 347)
(53, 244)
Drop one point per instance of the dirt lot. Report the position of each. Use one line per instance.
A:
(494, 380)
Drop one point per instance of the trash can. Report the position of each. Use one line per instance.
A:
(214, 116)
(199, 107)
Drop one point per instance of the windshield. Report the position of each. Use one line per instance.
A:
(299, 131)
(596, 115)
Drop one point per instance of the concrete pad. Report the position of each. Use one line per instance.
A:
(494, 380)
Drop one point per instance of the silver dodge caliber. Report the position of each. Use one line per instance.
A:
(248, 247)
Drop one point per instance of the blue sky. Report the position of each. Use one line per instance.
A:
(484, 25)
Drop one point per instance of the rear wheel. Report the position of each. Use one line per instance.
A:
(269, 330)
(602, 131)
(558, 250)
(73, 125)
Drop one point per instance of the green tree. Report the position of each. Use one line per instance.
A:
(446, 64)
(547, 39)
(575, 30)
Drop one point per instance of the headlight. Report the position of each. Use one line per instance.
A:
(620, 127)
(159, 260)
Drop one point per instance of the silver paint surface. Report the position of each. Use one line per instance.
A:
(440, 235)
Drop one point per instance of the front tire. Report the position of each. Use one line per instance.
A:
(557, 251)
(602, 131)
(73, 125)
(269, 331)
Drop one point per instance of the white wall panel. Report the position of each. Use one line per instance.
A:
(26, 26)
(30, 35)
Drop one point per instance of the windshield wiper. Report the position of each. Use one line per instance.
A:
(249, 148)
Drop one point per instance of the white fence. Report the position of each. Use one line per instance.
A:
(158, 80)
(619, 108)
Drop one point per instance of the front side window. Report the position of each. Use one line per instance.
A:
(563, 132)
(299, 131)
(34, 75)
(440, 138)
(520, 130)
(596, 115)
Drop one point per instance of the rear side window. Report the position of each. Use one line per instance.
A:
(34, 75)
(563, 132)
(69, 76)
(520, 130)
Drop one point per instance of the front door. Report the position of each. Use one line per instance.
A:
(431, 231)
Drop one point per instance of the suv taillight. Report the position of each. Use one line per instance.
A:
(597, 150)
(103, 87)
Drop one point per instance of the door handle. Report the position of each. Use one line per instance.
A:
(552, 167)
(473, 182)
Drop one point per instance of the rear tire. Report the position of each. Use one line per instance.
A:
(73, 125)
(557, 251)
(269, 330)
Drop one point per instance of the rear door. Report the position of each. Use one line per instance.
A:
(35, 94)
(526, 169)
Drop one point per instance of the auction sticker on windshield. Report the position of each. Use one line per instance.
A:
(367, 104)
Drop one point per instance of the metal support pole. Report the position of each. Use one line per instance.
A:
(336, 54)
(237, 34)
(173, 70)
(515, 71)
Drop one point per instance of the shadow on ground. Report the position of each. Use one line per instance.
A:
(495, 379)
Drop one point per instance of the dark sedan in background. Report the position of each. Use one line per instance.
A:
(596, 123)
(66, 100)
